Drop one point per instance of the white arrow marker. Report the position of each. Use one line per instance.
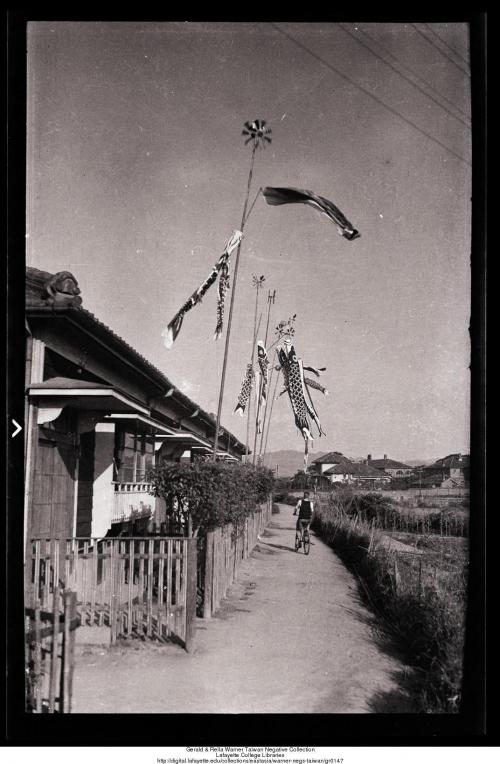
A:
(17, 430)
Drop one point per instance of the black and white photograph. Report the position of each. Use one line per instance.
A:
(249, 291)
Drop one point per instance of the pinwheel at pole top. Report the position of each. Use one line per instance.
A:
(258, 132)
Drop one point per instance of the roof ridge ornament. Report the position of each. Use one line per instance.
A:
(61, 290)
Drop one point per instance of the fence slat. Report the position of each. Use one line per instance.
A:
(158, 581)
(150, 588)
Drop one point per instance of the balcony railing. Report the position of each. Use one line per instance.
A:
(132, 499)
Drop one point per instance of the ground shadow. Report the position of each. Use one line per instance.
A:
(280, 546)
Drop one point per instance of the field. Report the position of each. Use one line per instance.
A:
(416, 583)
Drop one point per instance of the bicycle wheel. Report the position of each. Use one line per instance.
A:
(307, 542)
(297, 542)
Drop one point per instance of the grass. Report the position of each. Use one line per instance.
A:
(420, 599)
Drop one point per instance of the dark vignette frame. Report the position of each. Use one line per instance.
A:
(465, 728)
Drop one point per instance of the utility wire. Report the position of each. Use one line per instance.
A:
(415, 75)
(369, 93)
(407, 68)
(457, 54)
(370, 50)
(429, 40)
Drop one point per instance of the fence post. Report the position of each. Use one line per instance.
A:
(396, 576)
(191, 568)
(68, 651)
(53, 648)
(209, 574)
(370, 546)
(38, 660)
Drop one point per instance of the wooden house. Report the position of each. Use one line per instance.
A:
(98, 415)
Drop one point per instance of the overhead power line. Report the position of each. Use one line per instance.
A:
(455, 52)
(413, 74)
(370, 94)
(429, 40)
(387, 63)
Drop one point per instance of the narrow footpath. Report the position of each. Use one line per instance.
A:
(291, 637)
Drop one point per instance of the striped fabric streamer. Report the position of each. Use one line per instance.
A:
(171, 331)
(277, 196)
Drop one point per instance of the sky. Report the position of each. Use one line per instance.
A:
(136, 177)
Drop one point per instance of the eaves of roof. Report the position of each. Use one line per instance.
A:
(101, 331)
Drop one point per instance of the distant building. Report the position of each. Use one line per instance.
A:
(323, 463)
(452, 471)
(338, 468)
(390, 466)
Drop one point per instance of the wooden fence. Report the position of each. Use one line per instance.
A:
(224, 549)
(139, 587)
(49, 654)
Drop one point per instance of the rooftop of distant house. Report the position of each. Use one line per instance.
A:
(452, 461)
(332, 457)
(387, 464)
(356, 469)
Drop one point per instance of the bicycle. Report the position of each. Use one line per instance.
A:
(302, 537)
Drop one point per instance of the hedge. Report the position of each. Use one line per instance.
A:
(207, 495)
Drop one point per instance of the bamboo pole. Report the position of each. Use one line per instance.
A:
(231, 305)
(271, 412)
(270, 301)
(257, 284)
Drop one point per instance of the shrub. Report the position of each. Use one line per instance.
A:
(285, 498)
(206, 495)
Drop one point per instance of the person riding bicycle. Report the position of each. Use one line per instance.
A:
(305, 508)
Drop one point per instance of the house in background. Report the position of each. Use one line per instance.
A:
(325, 462)
(337, 468)
(390, 466)
(452, 471)
(98, 416)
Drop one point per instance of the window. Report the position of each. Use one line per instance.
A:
(134, 456)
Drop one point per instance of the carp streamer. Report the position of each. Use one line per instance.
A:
(297, 388)
(246, 389)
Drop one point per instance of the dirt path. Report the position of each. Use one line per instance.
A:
(292, 636)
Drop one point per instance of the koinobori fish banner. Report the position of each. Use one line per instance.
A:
(316, 385)
(246, 389)
(276, 196)
(296, 387)
(263, 364)
(172, 330)
(223, 287)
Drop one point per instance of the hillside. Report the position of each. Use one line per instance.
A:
(289, 462)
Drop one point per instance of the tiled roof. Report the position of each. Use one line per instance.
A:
(36, 304)
(388, 464)
(346, 467)
(330, 458)
(453, 461)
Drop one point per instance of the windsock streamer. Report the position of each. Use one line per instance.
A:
(298, 393)
(277, 196)
(223, 287)
(316, 385)
(263, 366)
(246, 389)
(172, 330)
